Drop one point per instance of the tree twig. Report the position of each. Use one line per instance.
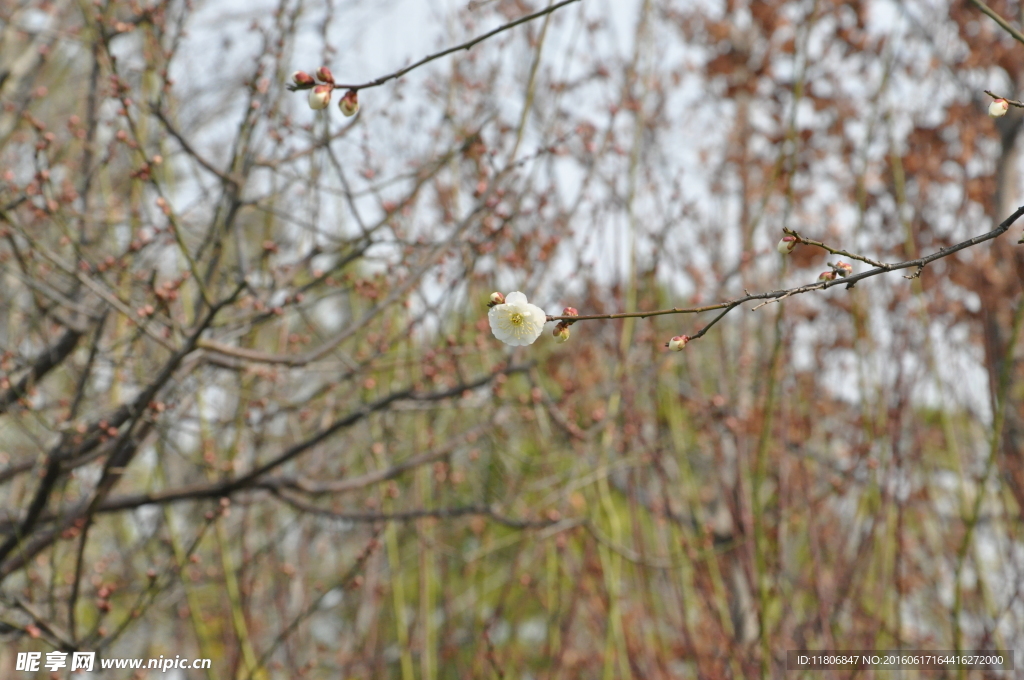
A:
(881, 268)
(1011, 102)
(1017, 35)
(464, 46)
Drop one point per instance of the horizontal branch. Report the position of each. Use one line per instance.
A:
(419, 513)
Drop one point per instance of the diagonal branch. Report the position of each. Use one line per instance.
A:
(464, 46)
(918, 264)
(21, 541)
(340, 486)
(834, 251)
(1006, 26)
(189, 149)
(255, 479)
(50, 358)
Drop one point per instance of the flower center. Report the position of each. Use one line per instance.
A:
(516, 319)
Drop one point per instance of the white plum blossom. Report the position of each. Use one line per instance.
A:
(517, 322)
(998, 108)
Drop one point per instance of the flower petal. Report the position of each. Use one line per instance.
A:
(495, 317)
(515, 298)
(538, 318)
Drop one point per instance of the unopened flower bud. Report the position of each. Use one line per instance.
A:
(998, 108)
(349, 104)
(496, 299)
(323, 74)
(320, 97)
(677, 343)
(844, 269)
(303, 80)
(827, 276)
(561, 332)
(787, 244)
(570, 311)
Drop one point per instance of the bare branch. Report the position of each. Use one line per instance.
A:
(464, 46)
(44, 363)
(849, 281)
(410, 515)
(1017, 35)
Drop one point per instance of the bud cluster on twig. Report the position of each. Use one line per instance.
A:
(321, 86)
(561, 331)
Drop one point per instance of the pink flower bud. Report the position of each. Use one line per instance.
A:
(561, 332)
(827, 276)
(570, 311)
(349, 104)
(323, 74)
(998, 108)
(320, 97)
(303, 80)
(844, 269)
(787, 244)
(677, 343)
(496, 299)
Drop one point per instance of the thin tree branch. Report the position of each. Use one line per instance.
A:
(1011, 102)
(409, 515)
(254, 479)
(190, 150)
(834, 251)
(47, 360)
(919, 264)
(999, 20)
(114, 467)
(377, 476)
(437, 55)
(350, 575)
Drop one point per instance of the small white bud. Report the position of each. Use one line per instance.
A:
(787, 244)
(677, 343)
(998, 108)
(320, 97)
(349, 104)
